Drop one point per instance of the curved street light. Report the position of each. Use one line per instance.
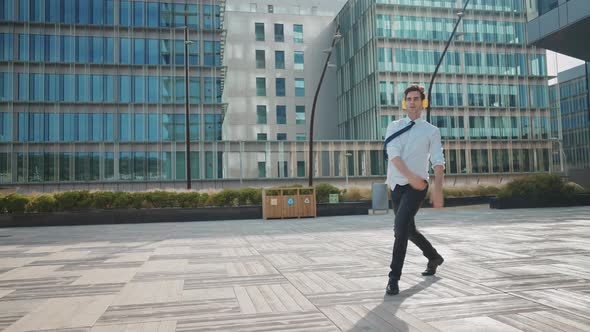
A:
(186, 110)
(336, 36)
(460, 14)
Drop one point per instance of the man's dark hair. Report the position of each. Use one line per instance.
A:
(415, 87)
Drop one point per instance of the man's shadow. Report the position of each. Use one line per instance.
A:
(383, 317)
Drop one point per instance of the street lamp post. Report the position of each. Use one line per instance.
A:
(561, 153)
(186, 110)
(315, 99)
(460, 14)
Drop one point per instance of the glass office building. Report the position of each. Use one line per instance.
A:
(490, 98)
(560, 26)
(94, 90)
(570, 100)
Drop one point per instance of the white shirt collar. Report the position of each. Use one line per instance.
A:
(419, 120)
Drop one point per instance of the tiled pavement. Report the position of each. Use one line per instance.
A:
(508, 270)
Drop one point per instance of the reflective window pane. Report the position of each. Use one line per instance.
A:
(124, 13)
(138, 14)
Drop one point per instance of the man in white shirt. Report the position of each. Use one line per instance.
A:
(407, 175)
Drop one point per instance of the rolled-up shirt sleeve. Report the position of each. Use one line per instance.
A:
(436, 151)
(393, 147)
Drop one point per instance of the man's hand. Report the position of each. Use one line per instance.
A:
(437, 199)
(417, 182)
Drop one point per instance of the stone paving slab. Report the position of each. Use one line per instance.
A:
(505, 270)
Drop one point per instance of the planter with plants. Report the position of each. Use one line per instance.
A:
(540, 190)
(106, 207)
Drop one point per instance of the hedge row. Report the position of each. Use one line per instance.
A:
(86, 200)
(534, 187)
(540, 188)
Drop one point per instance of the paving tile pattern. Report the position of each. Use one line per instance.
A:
(519, 270)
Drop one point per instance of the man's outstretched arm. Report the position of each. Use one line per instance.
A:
(436, 196)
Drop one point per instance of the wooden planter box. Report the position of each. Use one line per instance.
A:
(285, 205)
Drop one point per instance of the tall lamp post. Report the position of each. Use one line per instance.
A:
(336, 36)
(186, 110)
(460, 14)
(561, 153)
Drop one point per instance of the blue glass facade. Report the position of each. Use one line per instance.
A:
(490, 98)
(109, 75)
(571, 101)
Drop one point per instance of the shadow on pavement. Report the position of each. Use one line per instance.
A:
(387, 315)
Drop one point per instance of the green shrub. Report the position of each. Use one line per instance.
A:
(161, 199)
(103, 199)
(574, 187)
(287, 190)
(73, 200)
(305, 191)
(452, 191)
(250, 196)
(2, 203)
(41, 203)
(488, 190)
(540, 187)
(480, 190)
(272, 192)
(139, 200)
(204, 197)
(354, 194)
(16, 203)
(188, 199)
(121, 200)
(323, 191)
(226, 197)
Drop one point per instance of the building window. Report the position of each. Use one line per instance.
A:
(271, 9)
(279, 33)
(281, 114)
(301, 168)
(300, 136)
(262, 169)
(261, 114)
(383, 26)
(298, 60)
(299, 87)
(281, 136)
(383, 93)
(298, 33)
(260, 62)
(282, 169)
(385, 59)
(261, 136)
(259, 28)
(212, 53)
(299, 114)
(280, 87)
(260, 86)
(280, 59)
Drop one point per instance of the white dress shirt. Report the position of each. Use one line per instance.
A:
(415, 147)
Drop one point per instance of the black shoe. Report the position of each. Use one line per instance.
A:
(432, 265)
(392, 287)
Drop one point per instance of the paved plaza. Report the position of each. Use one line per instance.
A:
(504, 270)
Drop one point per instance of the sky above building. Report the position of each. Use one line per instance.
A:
(557, 62)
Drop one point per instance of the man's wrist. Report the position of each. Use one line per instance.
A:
(414, 177)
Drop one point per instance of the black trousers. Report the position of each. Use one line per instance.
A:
(406, 202)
